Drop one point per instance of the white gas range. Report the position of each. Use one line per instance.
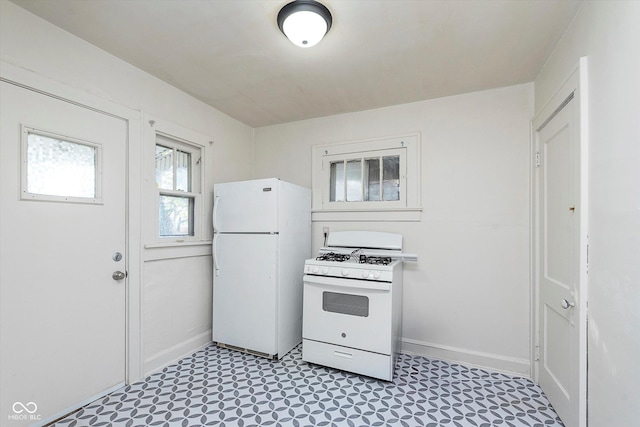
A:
(352, 310)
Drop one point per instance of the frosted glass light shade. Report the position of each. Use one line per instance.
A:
(304, 22)
(304, 29)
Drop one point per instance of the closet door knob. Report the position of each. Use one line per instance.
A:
(566, 304)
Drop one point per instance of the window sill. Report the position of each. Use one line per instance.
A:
(178, 243)
(367, 215)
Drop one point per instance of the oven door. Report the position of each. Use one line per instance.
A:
(348, 312)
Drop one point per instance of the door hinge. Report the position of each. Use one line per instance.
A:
(537, 353)
(537, 159)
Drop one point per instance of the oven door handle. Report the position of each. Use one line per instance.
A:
(362, 285)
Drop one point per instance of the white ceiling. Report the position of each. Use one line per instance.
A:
(231, 54)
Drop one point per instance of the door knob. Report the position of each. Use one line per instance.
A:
(566, 304)
(118, 275)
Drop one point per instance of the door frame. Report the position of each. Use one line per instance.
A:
(133, 179)
(576, 83)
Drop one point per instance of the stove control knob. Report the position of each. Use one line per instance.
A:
(325, 270)
(365, 273)
(376, 275)
(316, 269)
(345, 272)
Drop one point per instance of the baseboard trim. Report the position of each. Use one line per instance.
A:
(489, 361)
(166, 357)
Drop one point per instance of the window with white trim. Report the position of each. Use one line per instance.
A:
(358, 178)
(365, 178)
(60, 168)
(178, 180)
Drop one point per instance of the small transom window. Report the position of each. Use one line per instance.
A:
(365, 179)
(376, 179)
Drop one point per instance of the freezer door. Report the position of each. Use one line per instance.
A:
(246, 206)
(244, 291)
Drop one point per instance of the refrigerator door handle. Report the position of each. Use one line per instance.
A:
(216, 200)
(216, 265)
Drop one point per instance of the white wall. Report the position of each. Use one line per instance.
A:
(467, 299)
(609, 35)
(176, 282)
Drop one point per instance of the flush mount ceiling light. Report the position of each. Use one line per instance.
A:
(304, 22)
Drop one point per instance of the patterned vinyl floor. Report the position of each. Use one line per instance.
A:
(220, 387)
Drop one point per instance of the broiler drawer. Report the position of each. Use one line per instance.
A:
(348, 359)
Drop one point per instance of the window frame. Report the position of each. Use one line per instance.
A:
(178, 139)
(407, 209)
(376, 204)
(194, 183)
(24, 190)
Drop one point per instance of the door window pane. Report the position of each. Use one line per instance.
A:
(176, 216)
(352, 305)
(354, 181)
(56, 167)
(164, 167)
(391, 178)
(337, 182)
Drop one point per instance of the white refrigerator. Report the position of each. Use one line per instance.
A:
(262, 236)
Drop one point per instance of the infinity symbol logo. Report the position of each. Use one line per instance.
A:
(19, 407)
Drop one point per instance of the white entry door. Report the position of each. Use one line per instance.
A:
(561, 321)
(62, 222)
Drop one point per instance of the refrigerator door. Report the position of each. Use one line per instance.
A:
(244, 291)
(246, 206)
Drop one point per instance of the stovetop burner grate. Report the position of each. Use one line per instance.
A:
(332, 256)
(377, 260)
(359, 257)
